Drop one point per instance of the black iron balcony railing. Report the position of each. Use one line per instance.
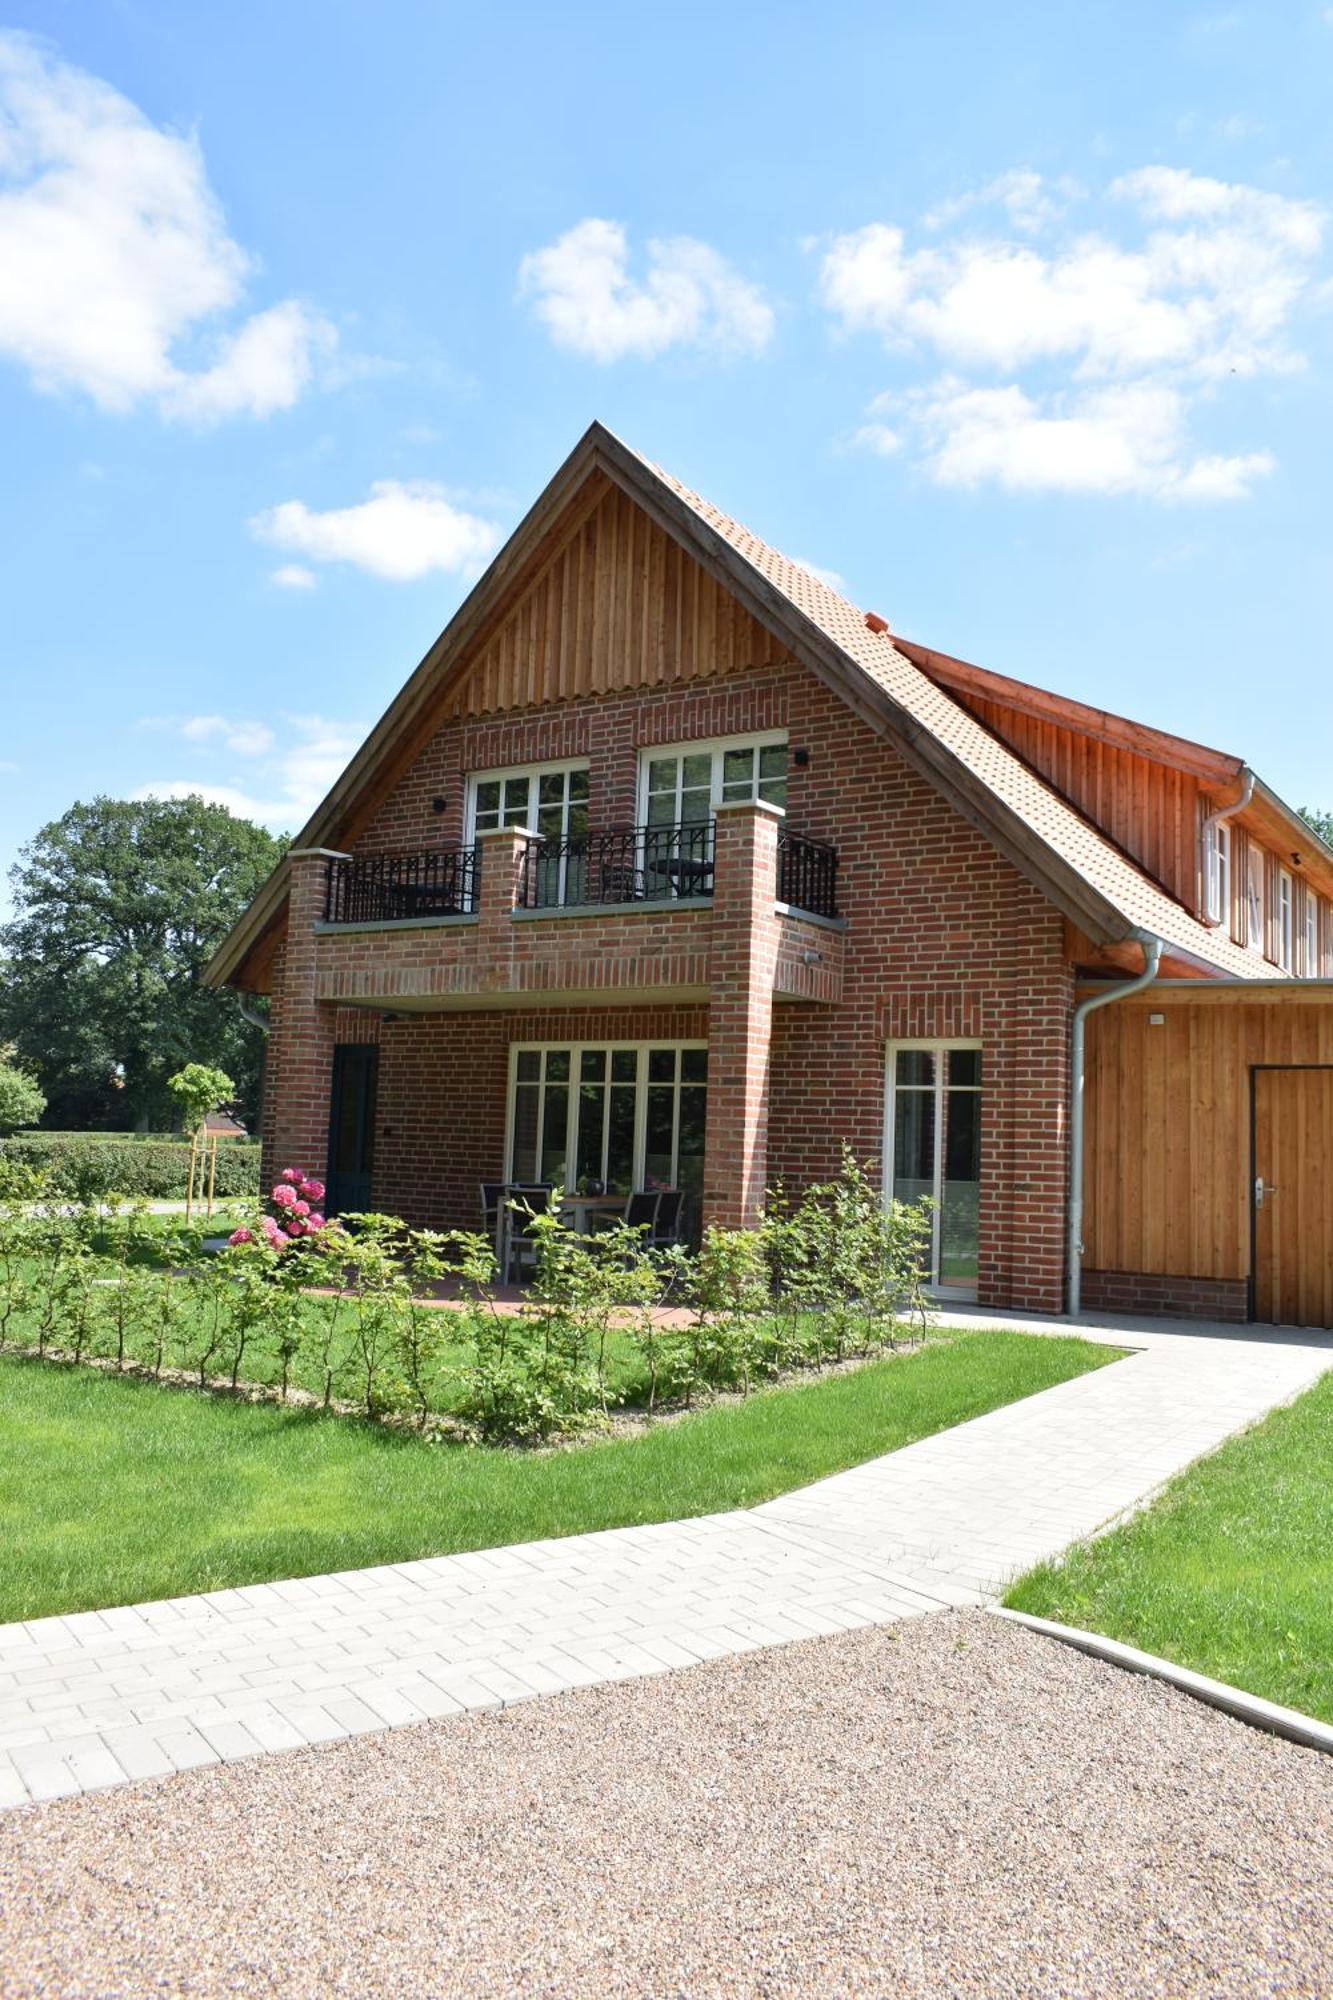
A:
(387, 888)
(635, 864)
(632, 864)
(807, 874)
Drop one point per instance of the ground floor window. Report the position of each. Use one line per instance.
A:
(609, 1117)
(933, 1148)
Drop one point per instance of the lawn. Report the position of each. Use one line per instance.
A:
(113, 1490)
(1229, 1572)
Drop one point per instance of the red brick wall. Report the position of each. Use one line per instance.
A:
(1179, 1297)
(442, 1090)
(943, 938)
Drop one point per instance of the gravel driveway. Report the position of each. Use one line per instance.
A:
(956, 1807)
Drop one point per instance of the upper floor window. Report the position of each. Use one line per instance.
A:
(552, 799)
(1311, 966)
(1254, 898)
(685, 786)
(1217, 873)
(1286, 921)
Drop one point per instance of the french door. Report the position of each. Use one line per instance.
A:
(933, 1150)
(609, 1117)
(680, 788)
(553, 801)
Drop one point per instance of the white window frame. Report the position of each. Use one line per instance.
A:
(1310, 932)
(1256, 871)
(1217, 874)
(532, 772)
(576, 1049)
(714, 746)
(1286, 920)
(935, 1046)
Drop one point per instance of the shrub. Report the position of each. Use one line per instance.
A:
(89, 1166)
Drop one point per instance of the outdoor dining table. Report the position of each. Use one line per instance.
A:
(580, 1210)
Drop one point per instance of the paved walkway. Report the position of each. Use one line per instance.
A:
(102, 1697)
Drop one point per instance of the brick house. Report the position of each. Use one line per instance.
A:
(670, 867)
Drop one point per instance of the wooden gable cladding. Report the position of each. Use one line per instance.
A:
(618, 605)
(1150, 809)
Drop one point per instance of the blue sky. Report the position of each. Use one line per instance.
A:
(1016, 318)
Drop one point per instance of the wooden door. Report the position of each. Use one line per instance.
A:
(352, 1128)
(1293, 1196)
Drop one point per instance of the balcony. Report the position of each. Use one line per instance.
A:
(616, 869)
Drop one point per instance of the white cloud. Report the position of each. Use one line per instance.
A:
(403, 531)
(292, 576)
(115, 256)
(690, 296)
(1030, 201)
(832, 577)
(1120, 334)
(292, 765)
(1128, 438)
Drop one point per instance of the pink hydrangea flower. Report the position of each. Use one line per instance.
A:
(241, 1236)
(316, 1222)
(285, 1197)
(301, 1208)
(313, 1190)
(291, 1173)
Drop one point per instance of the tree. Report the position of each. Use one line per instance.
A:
(1322, 822)
(21, 1099)
(198, 1090)
(119, 906)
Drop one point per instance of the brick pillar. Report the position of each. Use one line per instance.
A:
(300, 1049)
(743, 955)
(501, 851)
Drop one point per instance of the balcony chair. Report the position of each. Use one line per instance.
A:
(641, 1213)
(666, 1225)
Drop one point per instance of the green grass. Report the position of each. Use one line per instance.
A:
(1230, 1572)
(113, 1490)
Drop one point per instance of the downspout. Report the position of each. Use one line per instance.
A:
(1215, 819)
(1152, 958)
(248, 1013)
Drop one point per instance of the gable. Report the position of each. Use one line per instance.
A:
(620, 604)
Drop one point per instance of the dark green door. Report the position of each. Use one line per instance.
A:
(352, 1127)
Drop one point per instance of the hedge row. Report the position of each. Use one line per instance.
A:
(88, 1166)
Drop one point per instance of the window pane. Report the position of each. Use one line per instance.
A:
(557, 1065)
(523, 1158)
(695, 807)
(916, 1066)
(624, 1065)
(965, 1067)
(913, 1144)
(551, 788)
(773, 761)
(661, 809)
(488, 803)
(662, 774)
(592, 1065)
(737, 773)
(554, 1157)
(657, 1149)
(693, 1065)
(620, 1141)
(698, 771)
(588, 1145)
(516, 801)
(578, 786)
(960, 1189)
(529, 1065)
(661, 1065)
(551, 822)
(693, 1106)
(773, 791)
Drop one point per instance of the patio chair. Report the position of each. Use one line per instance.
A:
(522, 1201)
(492, 1196)
(641, 1213)
(665, 1229)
